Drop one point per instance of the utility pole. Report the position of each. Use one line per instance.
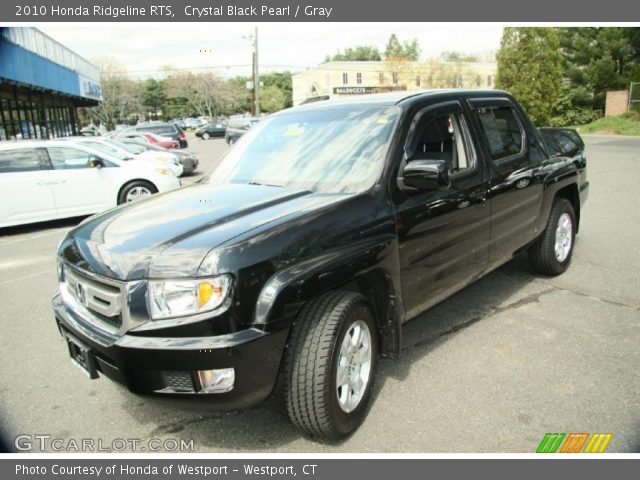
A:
(256, 76)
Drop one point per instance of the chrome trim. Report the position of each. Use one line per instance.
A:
(191, 343)
(104, 296)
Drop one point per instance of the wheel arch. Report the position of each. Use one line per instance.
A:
(570, 192)
(285, 294)
(129, 182)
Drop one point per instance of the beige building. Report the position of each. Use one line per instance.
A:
(337, 79)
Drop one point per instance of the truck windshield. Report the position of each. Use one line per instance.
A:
(326, 150)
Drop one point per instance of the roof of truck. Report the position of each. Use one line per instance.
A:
(397, 98)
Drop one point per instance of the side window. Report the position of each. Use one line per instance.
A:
(566, 144)
(163, 130)
(19, 160)
(501, 130)
(63, 158)
(445, 138)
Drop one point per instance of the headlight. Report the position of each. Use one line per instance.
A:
(177, 298)
(163, 171)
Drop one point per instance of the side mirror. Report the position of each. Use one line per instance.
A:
(427, 175)
(95, 162)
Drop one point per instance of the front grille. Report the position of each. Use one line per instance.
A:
(102, 298)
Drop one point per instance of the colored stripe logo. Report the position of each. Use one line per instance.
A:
(574, 442)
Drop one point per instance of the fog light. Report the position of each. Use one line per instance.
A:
(215, 381)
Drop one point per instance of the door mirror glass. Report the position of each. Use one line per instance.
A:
(427, 175)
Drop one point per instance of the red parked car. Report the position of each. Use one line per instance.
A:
(152, 138)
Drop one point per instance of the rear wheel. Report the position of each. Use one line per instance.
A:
(329, 365)
(205, 136)
(551, 253)
(135, 191)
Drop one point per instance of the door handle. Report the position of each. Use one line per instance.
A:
(43, 184)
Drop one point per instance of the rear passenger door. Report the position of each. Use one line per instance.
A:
(78, 187)
(514, 155)
(26, 193)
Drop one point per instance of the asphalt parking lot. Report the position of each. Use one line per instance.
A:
(492, 369)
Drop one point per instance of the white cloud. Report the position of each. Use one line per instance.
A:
(144, 48)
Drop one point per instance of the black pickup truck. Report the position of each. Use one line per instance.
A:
(293, 266)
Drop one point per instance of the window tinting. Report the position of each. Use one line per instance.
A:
(162, 130)
(443, 139)
(501, 130)
(567, 144)
(19, 160)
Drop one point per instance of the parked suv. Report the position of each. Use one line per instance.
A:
(169, 130)
(297, 262)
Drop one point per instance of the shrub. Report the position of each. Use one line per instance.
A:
(580, 116)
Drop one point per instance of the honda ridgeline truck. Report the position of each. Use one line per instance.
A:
(295, 263)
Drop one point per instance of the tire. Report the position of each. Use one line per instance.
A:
(128, 191)
(205, 136)
(312, 360)
(544, 258)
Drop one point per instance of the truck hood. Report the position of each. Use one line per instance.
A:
(168, 235)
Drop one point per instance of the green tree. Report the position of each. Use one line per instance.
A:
(360, 53)
(408, 50)
(530, 68)
(458, 57)
(153, 97)
(282, 81)
(596, 60)
(272, 99)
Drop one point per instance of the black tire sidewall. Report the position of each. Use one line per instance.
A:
(560, 207)
(346, 423)
(123, 194)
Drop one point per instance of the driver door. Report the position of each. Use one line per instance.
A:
(443, 234)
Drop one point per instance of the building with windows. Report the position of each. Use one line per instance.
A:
(42, 83)
(337, 79)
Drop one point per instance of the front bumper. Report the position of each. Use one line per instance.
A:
(189, 164)
(150, 364)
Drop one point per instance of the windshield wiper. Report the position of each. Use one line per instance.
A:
(266, 184)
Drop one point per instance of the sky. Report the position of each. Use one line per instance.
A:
(144, 49)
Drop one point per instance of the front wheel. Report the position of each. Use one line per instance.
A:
(551, 253)
(329, 365)
(135, 191)
(205, 136)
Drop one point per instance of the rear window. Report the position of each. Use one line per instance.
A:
(160, 129)
(19, 160)
(501, 130)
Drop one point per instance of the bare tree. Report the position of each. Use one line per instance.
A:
(205, 93)
(121, 95)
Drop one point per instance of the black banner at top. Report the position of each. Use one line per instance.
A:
(32, 11)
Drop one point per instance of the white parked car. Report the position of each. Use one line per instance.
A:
(49, 179)
(125, 152)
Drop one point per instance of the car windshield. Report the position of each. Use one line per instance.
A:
(125, 146)
(104, 148)
(325, 150)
